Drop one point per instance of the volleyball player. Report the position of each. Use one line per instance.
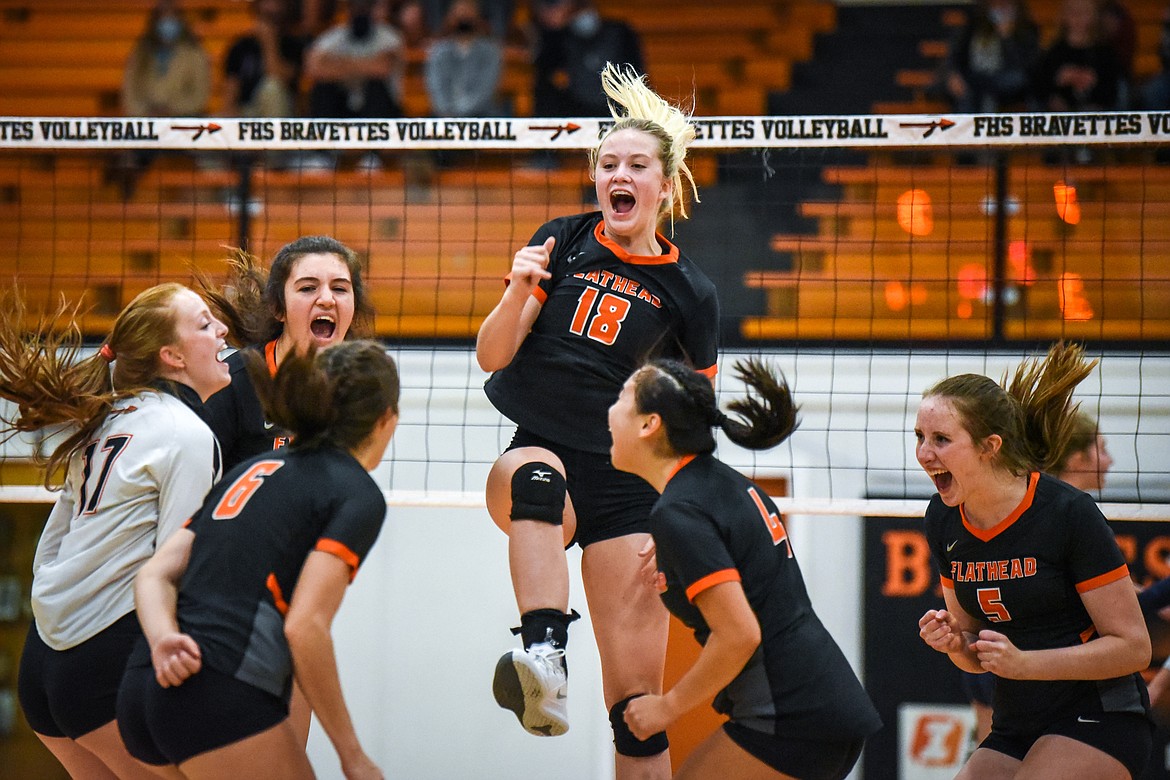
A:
(1037, 591)
(1083, 465)
(244, 596)
(589, 299)
(137, 462)
(796, 708)
(311, 295)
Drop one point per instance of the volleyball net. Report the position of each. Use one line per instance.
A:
(865, 256)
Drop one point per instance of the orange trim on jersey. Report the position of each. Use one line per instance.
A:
(1025, 503)
(670, 257)
(270, 357)
(684, 460)
(711, 580)
(277, 594)
(539, 294)
(1088, 633)
(946, 582)
(188, 521)
(1103, 579)
(710, 371)
(348, 556)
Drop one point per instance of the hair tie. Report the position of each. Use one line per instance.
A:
(107, 352)
(718, 418)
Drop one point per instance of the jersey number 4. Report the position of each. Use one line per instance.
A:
(991, 603)
(772, 520)
(603, 325)
(113, 446)
(242, 490)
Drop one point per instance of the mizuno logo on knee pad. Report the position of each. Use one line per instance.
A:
(541, 476)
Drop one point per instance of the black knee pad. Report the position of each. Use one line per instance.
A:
(538, 493)
(624, 740)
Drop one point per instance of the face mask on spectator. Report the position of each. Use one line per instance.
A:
(586, 24)
(360, 26)
(168, 29)
(1001, 17)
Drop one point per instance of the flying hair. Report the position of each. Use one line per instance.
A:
(635, 106)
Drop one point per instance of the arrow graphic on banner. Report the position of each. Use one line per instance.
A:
(556, 130)
(938, 124)
(199, 130)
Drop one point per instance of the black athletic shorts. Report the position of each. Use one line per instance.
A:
(1126, 736)
(978, 687)
(69, 693)
(808, 759)
(208, 711)
(608, 503)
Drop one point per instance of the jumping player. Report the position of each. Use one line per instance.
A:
(1037, 591)
(311, 295)
(590, 299)
(244, 596)
(138, 461)
(727, 568)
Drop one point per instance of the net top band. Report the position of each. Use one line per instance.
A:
(726, 132)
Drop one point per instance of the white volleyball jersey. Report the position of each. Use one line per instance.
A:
(142, 475)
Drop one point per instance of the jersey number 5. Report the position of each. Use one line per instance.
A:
(772, 520)
(114, 445)
(992, 606)
(242, 490)
(605, 324)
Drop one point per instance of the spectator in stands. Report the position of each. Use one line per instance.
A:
(262, 68)
(356, 66)
(168, 73)
(497, 13)
(310, 17)
(1155, 93)
(410, 19)
(1081, 70)
(990, 56)
(572, 44)
(463, 65)
(1121, 31)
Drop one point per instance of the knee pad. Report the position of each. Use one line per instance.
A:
(624, 740)
(538, 493)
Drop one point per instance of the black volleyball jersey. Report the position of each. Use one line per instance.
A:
(252, 536)
(236, 417)
(1023, 578)
(713, 525)
(603, 313)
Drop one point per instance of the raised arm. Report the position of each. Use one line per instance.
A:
(505, 328)
(315, 602)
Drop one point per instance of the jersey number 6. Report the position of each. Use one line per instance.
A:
(242, 490)
(605, 324)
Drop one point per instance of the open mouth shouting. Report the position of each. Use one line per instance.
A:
(622, 201)
(323, 327)
(942, 479)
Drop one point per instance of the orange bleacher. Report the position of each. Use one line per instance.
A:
(75, 235)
